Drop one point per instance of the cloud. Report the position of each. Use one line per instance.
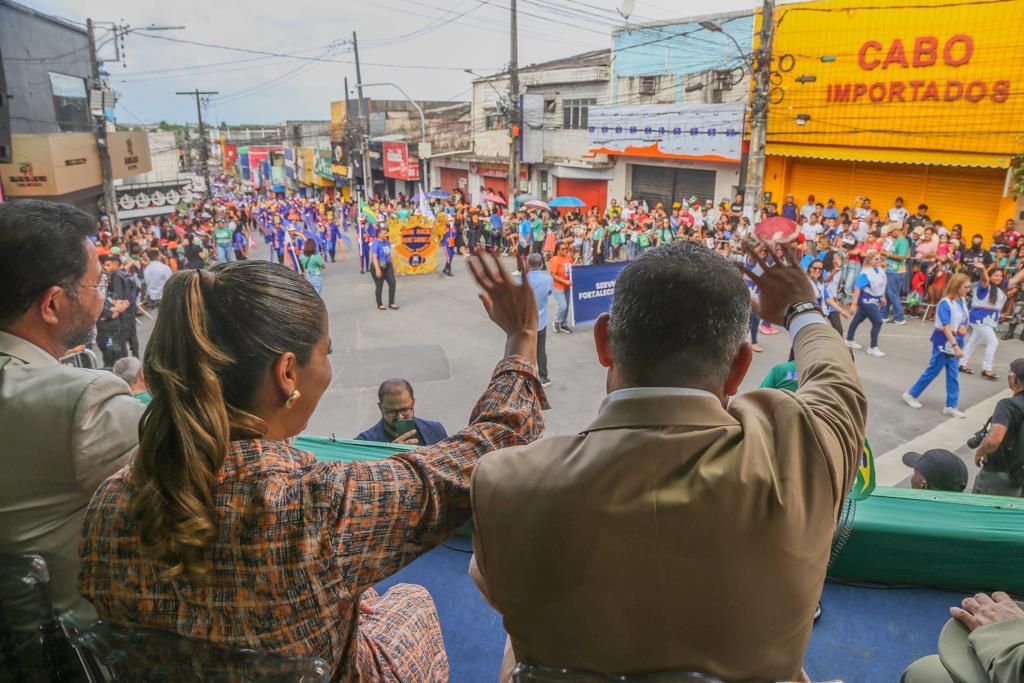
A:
(394, 35)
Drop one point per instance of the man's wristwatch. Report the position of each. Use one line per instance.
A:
(793, 310)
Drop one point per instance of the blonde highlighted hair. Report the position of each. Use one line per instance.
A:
(217, 335)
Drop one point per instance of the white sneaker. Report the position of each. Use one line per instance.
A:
(876, 352)
(954, 412)
(853, 345)
(899, 322)
(910, 400)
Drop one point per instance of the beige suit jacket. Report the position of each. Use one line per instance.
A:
(672, 534)
(63, 430)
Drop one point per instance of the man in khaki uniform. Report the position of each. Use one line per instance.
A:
(682, 530)
(63, 429)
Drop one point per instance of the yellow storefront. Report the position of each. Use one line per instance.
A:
(920, 99)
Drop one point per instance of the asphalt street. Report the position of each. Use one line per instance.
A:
(442, 342)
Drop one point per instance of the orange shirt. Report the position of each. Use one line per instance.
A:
(560, 266)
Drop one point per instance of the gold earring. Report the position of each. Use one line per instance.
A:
(292, 398)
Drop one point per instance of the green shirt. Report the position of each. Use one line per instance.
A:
(223, 235)
(313, 265)
(900, 246)
(782, 376)
(598, 234)
(538, 230)
(403, 214)
(144, 397)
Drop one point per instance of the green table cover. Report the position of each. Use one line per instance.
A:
(959, 541)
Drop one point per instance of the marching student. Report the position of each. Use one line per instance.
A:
(868, 296)
(951, 318)
(988, 302)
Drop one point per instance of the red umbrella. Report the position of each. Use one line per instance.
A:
(494, 198)
(776, 228)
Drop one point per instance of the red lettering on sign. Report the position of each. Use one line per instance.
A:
(916, 85)
(976, 91)
(896, 89)
(925, 51)
(954, 91)
(842, 92)
(896, 55)
(1000, 91)
(931, 92)
(877, 92)
(859, 90)
(968, 50)
(862, 55)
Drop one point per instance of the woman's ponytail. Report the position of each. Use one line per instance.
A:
(217, 336)
(185, 431)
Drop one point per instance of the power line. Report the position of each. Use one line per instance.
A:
(295, 56)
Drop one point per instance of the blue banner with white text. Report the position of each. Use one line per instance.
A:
(592, 290)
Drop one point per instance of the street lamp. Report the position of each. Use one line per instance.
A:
(715, 28)
(423, 136)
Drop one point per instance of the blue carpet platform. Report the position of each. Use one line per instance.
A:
(864, 634)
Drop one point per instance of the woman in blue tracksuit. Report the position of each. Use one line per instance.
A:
(951, 318)
(868, 296)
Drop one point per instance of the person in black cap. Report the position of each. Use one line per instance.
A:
(937, 470)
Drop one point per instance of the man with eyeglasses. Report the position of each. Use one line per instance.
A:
(64, 429)
(398, 422)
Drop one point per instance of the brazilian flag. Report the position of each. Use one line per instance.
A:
(365, 209)
(865, 483)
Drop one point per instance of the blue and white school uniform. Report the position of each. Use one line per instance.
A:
(952, 312)
(984, 318)
(755, 321)
(872, 283)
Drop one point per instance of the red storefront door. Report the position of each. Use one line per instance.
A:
(593, 192)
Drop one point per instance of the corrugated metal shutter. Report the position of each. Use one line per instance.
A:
(593, 192)
(691, 182)
(668, 185)
(451, 177)
(653, 184)
(824, 179)
(882, 183)
(968, 196)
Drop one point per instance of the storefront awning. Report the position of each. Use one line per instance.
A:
(889, 156)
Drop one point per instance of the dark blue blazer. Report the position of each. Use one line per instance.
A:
(430, 432)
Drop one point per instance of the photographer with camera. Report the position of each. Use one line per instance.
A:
(999, 448)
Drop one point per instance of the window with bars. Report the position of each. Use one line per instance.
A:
(575, 113)
(493, 120)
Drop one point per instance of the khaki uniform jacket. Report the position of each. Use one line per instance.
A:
(63, 430)
(673, 534)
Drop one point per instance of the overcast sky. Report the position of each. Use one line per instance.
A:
(396, 39)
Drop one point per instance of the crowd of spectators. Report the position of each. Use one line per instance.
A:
(200, 517)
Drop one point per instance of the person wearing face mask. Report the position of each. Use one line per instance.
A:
(951, 319)
(975, 258)
(868, 297)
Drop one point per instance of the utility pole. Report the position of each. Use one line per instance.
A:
(204, 144)
(513, 111)
(752, 193)
(100, 124)
(364, 117)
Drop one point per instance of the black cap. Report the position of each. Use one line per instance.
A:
(941, 468)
